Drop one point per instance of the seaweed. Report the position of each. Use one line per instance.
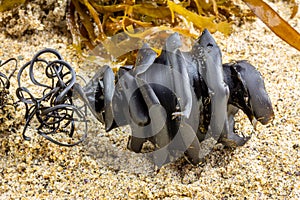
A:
(10, 4)
(276, 23)
(92, 22)
(199, 21)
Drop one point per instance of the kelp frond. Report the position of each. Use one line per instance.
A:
(276, 23)
(91, 21)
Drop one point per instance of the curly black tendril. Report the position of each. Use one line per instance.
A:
(5, 80)
(54, 110)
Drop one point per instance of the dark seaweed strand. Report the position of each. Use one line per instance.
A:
(4, 80)
(54, 110)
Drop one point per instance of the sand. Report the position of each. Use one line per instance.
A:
(266, 167)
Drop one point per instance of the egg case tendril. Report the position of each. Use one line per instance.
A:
(54, 110)
(5, 80)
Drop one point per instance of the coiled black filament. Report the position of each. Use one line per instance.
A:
(5, 81)
(54, 109)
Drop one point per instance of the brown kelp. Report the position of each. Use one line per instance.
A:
(92, 21)
(276, 23)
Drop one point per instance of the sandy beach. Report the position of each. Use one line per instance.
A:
(266, 167)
